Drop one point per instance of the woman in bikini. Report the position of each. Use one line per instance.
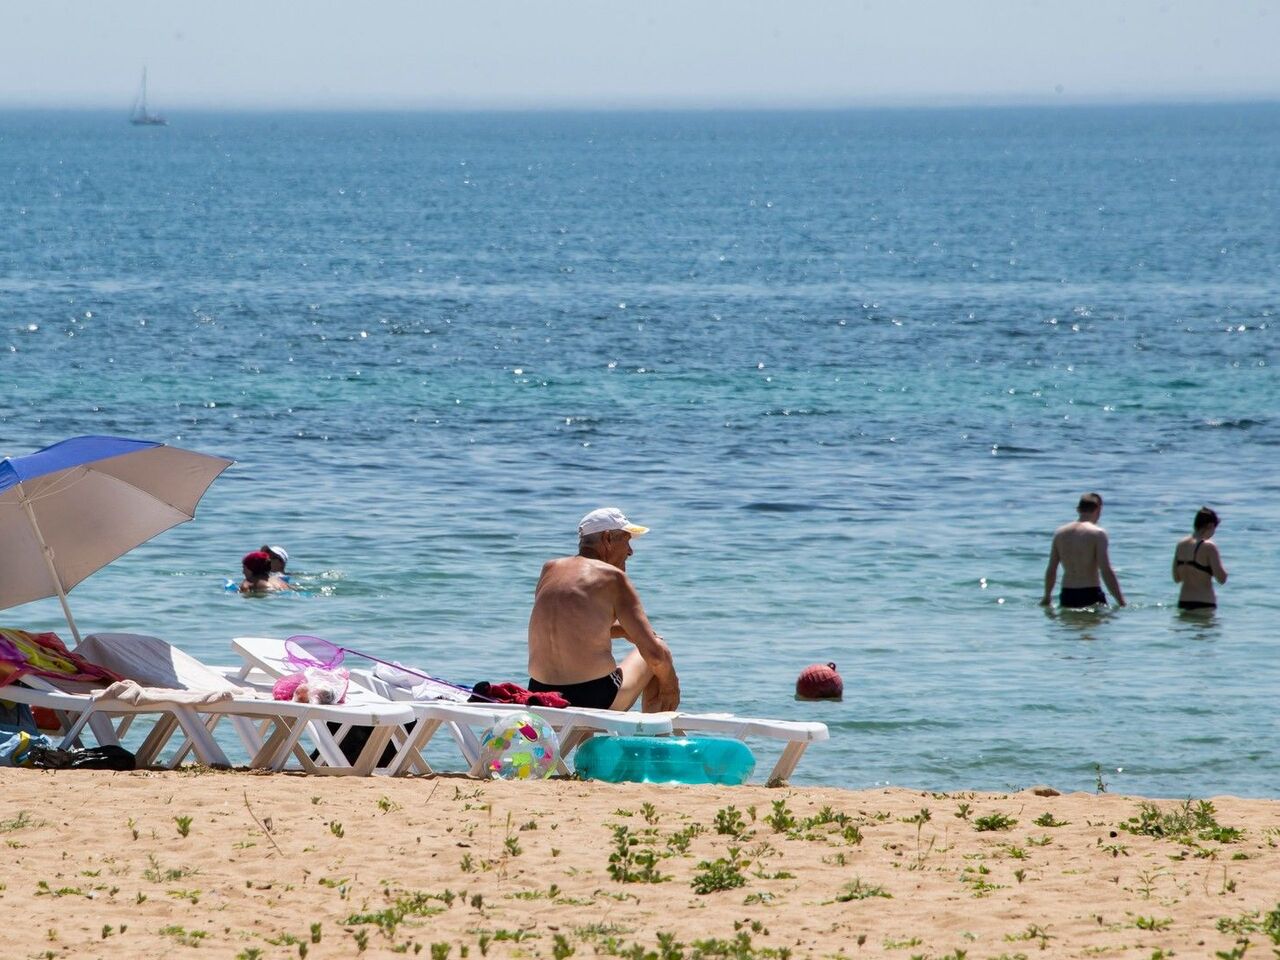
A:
(1197, 563)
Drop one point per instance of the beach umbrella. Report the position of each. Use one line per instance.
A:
(72, 508)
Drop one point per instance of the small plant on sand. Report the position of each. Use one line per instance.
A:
(133, 827)
(1047, 820)
(857, 890)
(387, 805)
(560, 947)
(994, 821)
(315, 933)
(963, 811)
(781, 819)
(1033, 932)
(1099, 784)
(1253, 922)
(679, 841)
(188, 938)
(156, 874)
(1153, 923)
(20, 822)
(719, 874)
(729, 821)
(1235, 953)
(1186, 823)
(336, 829)
(650, 814)
(629, 865)
(184, 825)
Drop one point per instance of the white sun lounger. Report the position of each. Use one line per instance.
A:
(465, 721)
(796, 734)
(572, 724)
(270, 729)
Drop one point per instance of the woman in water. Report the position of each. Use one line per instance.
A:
(257, 575)
(1197, 563)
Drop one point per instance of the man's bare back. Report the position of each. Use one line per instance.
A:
(1080, 548)
(581, 604)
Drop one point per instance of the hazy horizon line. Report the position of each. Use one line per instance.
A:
(742, 104)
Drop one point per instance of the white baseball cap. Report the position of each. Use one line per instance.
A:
(608, 518)
(281, 553)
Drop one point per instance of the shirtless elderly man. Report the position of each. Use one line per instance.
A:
(1081, 548)
(581, 604)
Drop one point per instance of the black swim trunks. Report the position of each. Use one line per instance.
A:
(598, 694)
(1195, 605)
(1074, 598)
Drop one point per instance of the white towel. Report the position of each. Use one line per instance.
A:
(127, 691)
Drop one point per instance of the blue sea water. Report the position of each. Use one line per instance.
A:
(852, 368)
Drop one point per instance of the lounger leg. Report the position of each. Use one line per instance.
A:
(206, 748)
(367, 762)
(154, 743)
(571, 737)
(275, 751)
(786, 764)
(411, 751)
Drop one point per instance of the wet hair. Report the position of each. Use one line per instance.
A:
(1089, 502)
(1204, 517)
(257, 563)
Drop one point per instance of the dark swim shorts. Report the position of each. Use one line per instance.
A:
(598, 694)
(1074, 598)
(1195, 605)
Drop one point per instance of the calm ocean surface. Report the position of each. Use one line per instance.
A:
(852, 368)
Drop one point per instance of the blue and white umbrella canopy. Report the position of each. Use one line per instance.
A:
(72, 508)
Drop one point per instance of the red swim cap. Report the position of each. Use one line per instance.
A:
(257, 563)
(819, 681)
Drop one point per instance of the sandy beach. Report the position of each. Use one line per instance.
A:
(236, 864)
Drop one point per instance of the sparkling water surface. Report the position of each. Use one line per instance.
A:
(852, 368)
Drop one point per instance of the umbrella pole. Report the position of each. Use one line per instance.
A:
(48, 559)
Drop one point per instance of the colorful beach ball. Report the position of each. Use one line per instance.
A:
(519, 747)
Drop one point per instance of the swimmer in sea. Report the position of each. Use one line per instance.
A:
(257, 575)
(279, 557)
(1081, 549)
(1197, 563)
(580, 605)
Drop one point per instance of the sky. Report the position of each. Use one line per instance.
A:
(557, 54)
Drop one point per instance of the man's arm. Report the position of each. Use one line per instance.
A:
(657, 655)
(1177, 574)
(1104, 567)
(1050, 574)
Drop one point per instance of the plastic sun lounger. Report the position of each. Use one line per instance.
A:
(77, 708)
(462, 720)
(796, 734)
(271, 730)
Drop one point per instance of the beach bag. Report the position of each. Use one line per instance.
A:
(109, 757)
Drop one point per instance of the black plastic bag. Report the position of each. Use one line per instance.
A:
(94, 758)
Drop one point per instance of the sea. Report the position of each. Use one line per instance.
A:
(852, 368)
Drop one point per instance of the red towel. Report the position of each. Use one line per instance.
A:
(514, 693)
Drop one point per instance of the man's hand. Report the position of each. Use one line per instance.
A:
(669, 695)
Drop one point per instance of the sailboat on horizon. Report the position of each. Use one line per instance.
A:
(141, 116)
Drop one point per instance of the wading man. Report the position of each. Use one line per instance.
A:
(1081, 549)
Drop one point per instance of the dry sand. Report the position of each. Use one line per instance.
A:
(290, 866)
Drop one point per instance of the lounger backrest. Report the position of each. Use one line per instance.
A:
(152, 662)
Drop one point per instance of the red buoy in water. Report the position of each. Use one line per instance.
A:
(819, 681)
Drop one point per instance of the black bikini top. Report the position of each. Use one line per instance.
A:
(1192, 561)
